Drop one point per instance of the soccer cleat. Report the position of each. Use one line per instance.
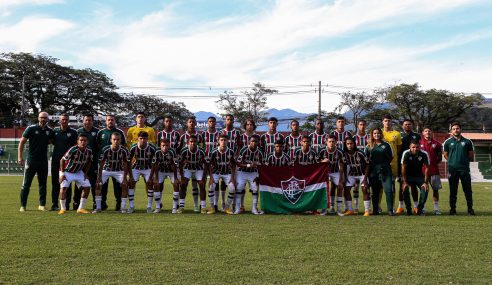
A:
(420, 212)
(366, 214)
(323, 212)
(437, 213)
(348, 213)
(331, 211)
(117, 207)
(125, 211)
(409, 213)
(380, 210)
(237, 211)
(104, 206)
(131, 210)
(471, 212)
(180, 211)
(55, 208)
(157, 210)
(452, 212)
(149, 210)
(223, 207)
(62, 212)
(211, 211)
(42, 208)
(82, 211)
(203, 211)
(399, 211)
(22, 209)
(242, 209)
(340, 214)
(415, 211)
(228, 211)
(174, 211)
(356, 211)
(96, 211)
(196, 209)
(391, 213)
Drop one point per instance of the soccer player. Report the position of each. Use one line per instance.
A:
(393, 138)
(234, 139)
(249, 130)
(407, 135)
(210, 137)
(268, 140)
(164, 166)
(434, 150)
(132, 134)
(361, 138)
(357, 170)
(340, 133)
(380, 155)
(334, 157)
(293, 140)
(183, 143)
(223, 166)
(318, 137)
(38, 136)
(171, 135)
(459, 151)
(64, 138)
(192, 163)
(90, 132)
(278, 157)
(114, 163)
(412, 162)
(250, 157)
(141, 155)
(103, 139)
(74, 167)
(305, 154)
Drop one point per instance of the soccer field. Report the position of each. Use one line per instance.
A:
(43, 247)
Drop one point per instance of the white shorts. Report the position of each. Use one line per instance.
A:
(334, 177)
(353, 180)
(118, 175)
(225, 177)
(197, 174)
(164, 175)
(144, 172)
(77, 177)
(435, 182)
(244, 177)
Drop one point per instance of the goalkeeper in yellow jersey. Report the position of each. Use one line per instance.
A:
(132, 134)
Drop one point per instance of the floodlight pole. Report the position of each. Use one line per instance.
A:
(319, 98)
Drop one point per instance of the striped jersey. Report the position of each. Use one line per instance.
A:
(334, 158)
(361, 141)
(114, 159)
(210, 141)
(192, 160)
(244, 141)
(222, 162)
(305, 158)
(76, 159)
(291, 144)
(141, 158)
(273, 160)
(341, 136)
(173, 137)
(165, 160)
(234, 139)
(246, 155)
(318, 141)
(267, 142)
(356, 163)
(183, 140)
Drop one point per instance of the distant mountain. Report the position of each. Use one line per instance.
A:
(203, 116)
(285, 114)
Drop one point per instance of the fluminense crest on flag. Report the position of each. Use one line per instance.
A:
(293, 189)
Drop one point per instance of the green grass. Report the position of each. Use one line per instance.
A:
(39, 248)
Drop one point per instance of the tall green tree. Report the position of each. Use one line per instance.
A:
(357, 104)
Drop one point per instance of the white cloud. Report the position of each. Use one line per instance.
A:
(12, 3)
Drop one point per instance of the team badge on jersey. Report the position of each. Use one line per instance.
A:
(383, 146)
(463, 143)
(420, 158)
(433, 145)
(69, 135)
(452, 144)
(293, 189)
(93, 133)
(47, 133)
(36, 132)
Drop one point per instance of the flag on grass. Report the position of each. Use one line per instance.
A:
(289, 189)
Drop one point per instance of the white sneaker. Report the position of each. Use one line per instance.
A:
(340, 214)
(323, 212)
(42, 208)
(157, 211)
(22, 209)
(96, 211)
(256, 212)
(149, 210)
(125, 211)
(174, 211)
(237, 212)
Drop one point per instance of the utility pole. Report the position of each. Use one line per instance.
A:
(319, 99)
(23, 95)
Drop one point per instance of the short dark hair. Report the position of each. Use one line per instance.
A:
(455, 124)
(229, 115)
(82, 135)
(407, 120)
(212, 118)
(223, 136)
(193, 118)
(272, 119)
(341, 118)
(387, 116)
(306, 137)
(279, 142)
(89, 115)
(362, 120)
(168, 116)
(143, 134)
(64, 115)
(426, 127)
(415, 142)
(164, 140)
(331, 137)
(140, 113)
(192, 137)
(116, 134)
(255, 136)
(294, 121)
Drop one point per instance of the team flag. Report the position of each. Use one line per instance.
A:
(289, 189)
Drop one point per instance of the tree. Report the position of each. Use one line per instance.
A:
(252, 106)
(357, 103)
(433, 107)
(329, 119)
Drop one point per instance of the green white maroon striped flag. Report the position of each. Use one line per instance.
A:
(289, 189)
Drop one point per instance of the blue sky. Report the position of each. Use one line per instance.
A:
(190, 51)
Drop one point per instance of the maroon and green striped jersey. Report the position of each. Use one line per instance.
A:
(361, 141)
(305, 158)
(267, 142)
(334, 157)
(244, 141)
(173, 137)
(165, 160)
(183, 140)
(192, 160)
(222, 162)
(318, 141)
(77, 159)
(273, 160)
(291, 145)
(341, 136)
(234, 139)
(114, 160)
(141, 158)
(247, 155)
(210, 141)
(356, 163)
